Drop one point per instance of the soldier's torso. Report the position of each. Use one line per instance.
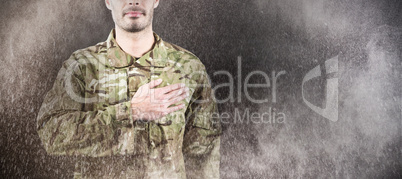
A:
(149, 149)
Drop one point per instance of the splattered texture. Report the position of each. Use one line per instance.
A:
(267, 35)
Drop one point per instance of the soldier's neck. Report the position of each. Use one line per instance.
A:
(136, 44)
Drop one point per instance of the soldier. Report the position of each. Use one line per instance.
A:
(133, 106)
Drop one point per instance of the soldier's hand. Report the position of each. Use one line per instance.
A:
(151, 103)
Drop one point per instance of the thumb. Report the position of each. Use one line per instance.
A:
(154, 83)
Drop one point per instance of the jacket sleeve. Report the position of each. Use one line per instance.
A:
(65, 128)
(202, 135)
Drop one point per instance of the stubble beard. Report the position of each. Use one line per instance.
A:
(136, 26)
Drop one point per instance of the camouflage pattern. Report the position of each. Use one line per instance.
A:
(87, 114)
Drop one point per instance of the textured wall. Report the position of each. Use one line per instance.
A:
(268, 35)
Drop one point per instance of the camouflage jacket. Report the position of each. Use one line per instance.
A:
(86, 114)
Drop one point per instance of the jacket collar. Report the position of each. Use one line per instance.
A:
(119, 59)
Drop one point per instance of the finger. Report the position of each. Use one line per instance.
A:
(174, 108)
(170, 88)
(164, 97)
(174, 100)
(175, 93)
(161, 107)
(154, 83)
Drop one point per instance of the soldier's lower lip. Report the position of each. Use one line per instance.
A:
(134, 14)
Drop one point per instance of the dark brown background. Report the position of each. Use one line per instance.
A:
(37, 36)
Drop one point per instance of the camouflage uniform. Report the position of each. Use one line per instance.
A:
(87, 114)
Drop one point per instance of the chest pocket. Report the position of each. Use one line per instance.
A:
(110, 88)
(115, 83)
(136, 78)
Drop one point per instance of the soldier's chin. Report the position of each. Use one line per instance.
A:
(134, 28)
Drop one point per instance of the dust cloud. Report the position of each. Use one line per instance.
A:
(269, 35)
